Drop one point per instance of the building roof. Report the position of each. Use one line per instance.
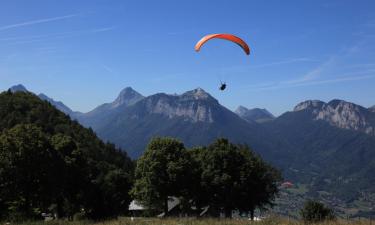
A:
(134, 205)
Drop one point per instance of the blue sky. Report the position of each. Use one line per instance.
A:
(84, 52)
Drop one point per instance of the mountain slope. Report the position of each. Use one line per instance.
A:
(49, 159)
(94, 118)
(341, 114)
(326, 154)
(195, 117)
(59, 105)
(256, 114)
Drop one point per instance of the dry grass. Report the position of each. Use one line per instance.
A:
(177, 221)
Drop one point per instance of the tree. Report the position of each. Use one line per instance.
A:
(51, 163)
(258, 182)
(221, 174)
(234, 177)
(197, 192)
(314, 211)
(161, 172)
(28, 164)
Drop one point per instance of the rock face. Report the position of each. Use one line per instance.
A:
(372, 109)
(256, 114)
(127, 97)
(329, 148)
(194, 117)
(341, 114)
(193, 106)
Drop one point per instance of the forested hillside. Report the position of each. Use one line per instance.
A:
(49, 163)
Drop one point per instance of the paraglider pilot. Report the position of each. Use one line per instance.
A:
(223, 86)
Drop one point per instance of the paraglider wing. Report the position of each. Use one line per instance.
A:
(228, 37)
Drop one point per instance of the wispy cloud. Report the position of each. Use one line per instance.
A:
(353, 77)
(331, 62)
(33, 22)
(314, 73)
(245, 69)
(46, 37)
(103, 29)
(108, 69)
(286, 61)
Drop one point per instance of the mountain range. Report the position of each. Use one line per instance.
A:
(328, 147)
(256, 114)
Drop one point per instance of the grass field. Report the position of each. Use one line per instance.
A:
(177, 221)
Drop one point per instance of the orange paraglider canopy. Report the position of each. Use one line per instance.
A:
(228, 37)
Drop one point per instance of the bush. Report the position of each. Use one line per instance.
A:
(79, 216)
(314, 211)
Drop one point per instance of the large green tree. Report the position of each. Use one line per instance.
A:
(258, 182)
(28, 171)
(234, 177)
(221, 174)
(162, 171)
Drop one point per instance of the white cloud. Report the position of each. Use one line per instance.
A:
(353, 77)
(33, 22)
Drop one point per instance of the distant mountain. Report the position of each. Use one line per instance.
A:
(59, 105)
(194, 117)
(341, 114)
(100, 114)
(256, 114)
(330, 149)
(18, 88)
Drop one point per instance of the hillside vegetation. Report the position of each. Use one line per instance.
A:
(174, 221)
(49, 163)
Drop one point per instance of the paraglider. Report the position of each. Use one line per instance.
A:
(228, 37)
(287, 184)
(222, 86)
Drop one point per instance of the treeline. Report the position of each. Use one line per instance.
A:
(49, 163)
(223, 176)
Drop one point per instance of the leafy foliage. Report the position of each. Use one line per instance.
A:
(51, 163)
(221, 175)
(161, 172)
(314, 211)
(234, 177)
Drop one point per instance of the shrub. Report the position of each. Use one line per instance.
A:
(314, 211)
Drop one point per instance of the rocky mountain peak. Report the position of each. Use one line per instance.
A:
(127, 96)
(194, 106)
(341, 114)
(372, 108)
(197, 94)
(18, 88)
(241, 110)
(309, 104)
(255, 114)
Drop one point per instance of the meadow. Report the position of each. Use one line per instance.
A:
(193, 221)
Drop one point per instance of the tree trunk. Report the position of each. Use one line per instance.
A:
(228, 212)
(252, 214)
(165, 207)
